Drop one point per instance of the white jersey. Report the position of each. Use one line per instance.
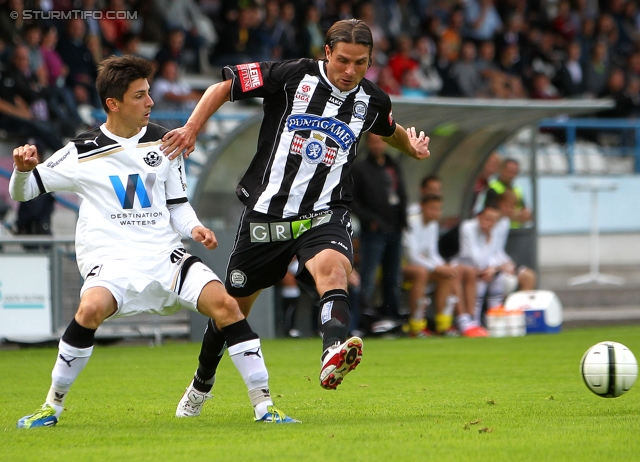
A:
(475, 249)
(125, 185)
(421, 243)
(500, 233)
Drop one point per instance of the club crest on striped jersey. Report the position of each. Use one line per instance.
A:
(313, 150)
(337, 130)
(359, 110)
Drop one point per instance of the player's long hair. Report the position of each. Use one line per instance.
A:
(350, 31)
(116, 73)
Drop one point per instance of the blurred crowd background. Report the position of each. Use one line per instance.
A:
(539, 49)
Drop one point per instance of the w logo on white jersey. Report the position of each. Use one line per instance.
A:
(134, 186)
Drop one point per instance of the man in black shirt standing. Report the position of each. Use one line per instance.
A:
(298, 187)
(380, 203)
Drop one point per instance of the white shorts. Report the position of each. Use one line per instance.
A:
(153, 286)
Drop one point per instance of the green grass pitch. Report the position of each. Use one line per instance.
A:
(459, 399)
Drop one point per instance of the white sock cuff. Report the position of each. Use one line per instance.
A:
(291, 292)
(244, 346)
(67, 349)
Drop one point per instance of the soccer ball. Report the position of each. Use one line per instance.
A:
(609, 369)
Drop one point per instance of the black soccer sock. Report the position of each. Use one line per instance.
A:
(211, 352)
(334, 317)
(78, 336)
(291, 305)
(238, 332)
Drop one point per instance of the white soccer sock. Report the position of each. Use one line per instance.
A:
(465, 322)
(420, 310)
(247, 357)
(69, 364)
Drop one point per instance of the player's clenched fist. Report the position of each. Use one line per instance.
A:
(25, 157)
(206, 236)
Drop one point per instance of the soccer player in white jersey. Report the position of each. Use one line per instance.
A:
(480, 248)
(133, 214)
(298, 187)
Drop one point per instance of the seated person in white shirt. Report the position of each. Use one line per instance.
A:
(518, 277)
(426, 265)
(170, 92)
(480, 248)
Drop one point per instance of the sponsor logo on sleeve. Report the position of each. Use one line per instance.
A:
(390, 117)
(250, 76)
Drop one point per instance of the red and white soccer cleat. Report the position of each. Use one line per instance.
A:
(339, 361)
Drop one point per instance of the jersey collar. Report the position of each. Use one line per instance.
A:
(133, 140)
(333, 87)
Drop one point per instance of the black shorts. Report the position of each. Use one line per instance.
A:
(264, 247)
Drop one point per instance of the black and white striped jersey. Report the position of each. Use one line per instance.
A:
(309, 135)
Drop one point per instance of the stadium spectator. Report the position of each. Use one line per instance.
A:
(512, 34)
(428, 77)
(452, 35)
(425, 265)
(321, 195)
(570, 79)
(171, 92)
(482, 19)
(285, 33)
(402, 60)
(171, 49)
(509, 170)
(242, 40)
(445, 68)
(387, 82)
(81, 78)
(17, 119)
(595, 71)
(199, 31)
(311, 35)
(113, 26)
(32, 40)
(61, 98)
(542, 88)
(141, 278)
(467, 75)
(367, 13)
(379, 202)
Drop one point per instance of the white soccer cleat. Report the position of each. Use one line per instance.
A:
(191, 402)
(339, 361)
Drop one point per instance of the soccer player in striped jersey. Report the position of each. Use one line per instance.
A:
(129, 248)
(298, 187)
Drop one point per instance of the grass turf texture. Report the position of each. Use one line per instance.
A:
(410, 399)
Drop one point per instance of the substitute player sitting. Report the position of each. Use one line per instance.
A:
(298, 186)
(133, 215)
(426, 266)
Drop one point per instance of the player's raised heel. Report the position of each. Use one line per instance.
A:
(191, 402)
(339, 361)
(44, 417)
(276, 416)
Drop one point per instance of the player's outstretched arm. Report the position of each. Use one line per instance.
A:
(206, 236)
(410, 143)
(183, 139)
